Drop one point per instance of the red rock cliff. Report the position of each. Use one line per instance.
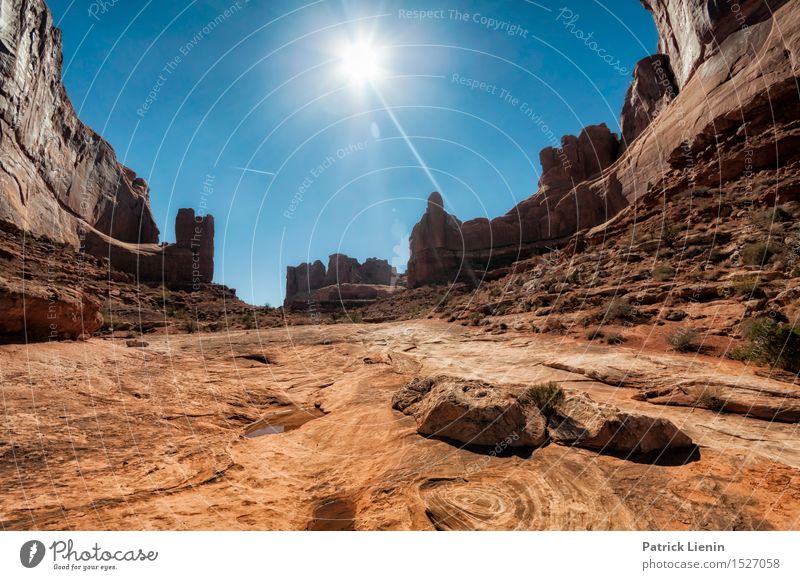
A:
(55, 172)
(720, 102)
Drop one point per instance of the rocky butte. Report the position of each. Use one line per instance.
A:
(718, 101)
(344, 280)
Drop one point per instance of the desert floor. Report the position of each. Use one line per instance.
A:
(99, 435)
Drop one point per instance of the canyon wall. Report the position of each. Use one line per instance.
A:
(719, 102)
(185, 264)
(572, 196)
(61, 180)
(55, 172)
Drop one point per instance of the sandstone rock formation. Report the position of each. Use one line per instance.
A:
(444, 249)
(582, 422)
(345, 277)
(59, 179)
(471, 412)
(734, 115)
(690, 31)
(55, 172)
(304, 278)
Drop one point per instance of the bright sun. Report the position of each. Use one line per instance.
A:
(360, 62)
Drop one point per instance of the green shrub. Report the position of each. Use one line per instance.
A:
(615, 338)
(669, 236)
(620, 309)
(685, 340)
(663, 273)
(709, 397)
(594, 334)
(546, 396)
(771, 343)
(744, 285)
(757, 254)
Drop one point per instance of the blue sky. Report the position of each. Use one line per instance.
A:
(246, 109)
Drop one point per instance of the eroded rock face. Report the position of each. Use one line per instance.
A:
(690, 31)
(582, 422)
(39, 313)
(578, 159)
(443, 249)
(735, 113)
(55, 172)
(304, 278)
(471, 412)
(652, 89)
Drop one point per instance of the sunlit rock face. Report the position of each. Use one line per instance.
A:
(444, 249)
(56, 173)
(61, 180)
(690, 31)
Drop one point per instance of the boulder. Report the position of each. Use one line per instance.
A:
(39, 313)
(471, 412)
(581, 422)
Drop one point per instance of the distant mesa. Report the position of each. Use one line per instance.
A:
(345, 281)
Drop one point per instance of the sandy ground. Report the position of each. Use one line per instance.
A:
(293, 429)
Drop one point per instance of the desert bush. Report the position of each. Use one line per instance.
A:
(771, 343)
(615, 338)
(663, 273)
(744, 285)
(595, 333)
(620, 309)
(702, 191)
(546, 396)
(769, 217)
(709, 397)
(189, 326)
(669, 235)
(757, 253)
(685, 340)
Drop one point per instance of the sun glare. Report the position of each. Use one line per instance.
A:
(360, 62)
